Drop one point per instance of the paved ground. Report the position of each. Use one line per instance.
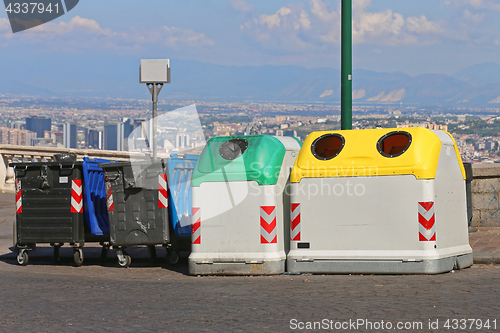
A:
(486, 245)
(150, 296)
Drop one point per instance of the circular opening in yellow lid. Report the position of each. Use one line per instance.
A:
(327, 146)
(394, 144)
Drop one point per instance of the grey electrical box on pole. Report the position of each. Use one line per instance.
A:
(154, 72)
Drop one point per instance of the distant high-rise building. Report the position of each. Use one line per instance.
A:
(182, 141)
(128, 127)
(70, 134)
(18, 124)
(113, 136)
(146, 129)
(4, 135)
(95, 139)
(38, 125)
(142, 131)
(85, 131)
(57, 137)
(14, 136)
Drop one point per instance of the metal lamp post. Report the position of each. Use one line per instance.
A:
(346, 66)
(154, 73)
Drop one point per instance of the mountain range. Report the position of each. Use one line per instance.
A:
(94, 76)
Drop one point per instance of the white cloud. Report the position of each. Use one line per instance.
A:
(81, 32)
(422, 25)
(304, 20)
(77, 23)
(376, 24)
(475, 18)
(4, 25)
(360, 4)
(319, 25)
(388, 27)
(241, 6)
(280, 30)
(318, 9)
(477, 4)
(169, 36)
(275, 19)
(478, 22)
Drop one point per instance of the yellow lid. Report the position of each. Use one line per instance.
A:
(408, 151)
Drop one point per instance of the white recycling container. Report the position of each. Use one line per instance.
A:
(240, 200)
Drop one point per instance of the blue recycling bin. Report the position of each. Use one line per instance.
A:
(96, 213)
(180, 171)
(94, 203)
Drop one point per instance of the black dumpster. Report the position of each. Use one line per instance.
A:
(49, 207)
(137, 205)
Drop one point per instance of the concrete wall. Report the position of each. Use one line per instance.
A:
(485, 188)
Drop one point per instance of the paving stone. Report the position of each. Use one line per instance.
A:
(102, 297)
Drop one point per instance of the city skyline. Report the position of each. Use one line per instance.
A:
(185, 130)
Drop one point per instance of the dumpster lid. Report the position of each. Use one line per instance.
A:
(135, 173)
(372, 152)
(243, 158)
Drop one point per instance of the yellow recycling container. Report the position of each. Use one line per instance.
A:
(384, 201)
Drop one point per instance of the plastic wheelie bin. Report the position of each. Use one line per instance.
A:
(94, 203)
(180, 172)
(381, 201)
(239, 224)
(137, 202)
(49, 207)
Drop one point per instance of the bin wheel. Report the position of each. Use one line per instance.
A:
(78, 257)
(22, 257)
(124, 261)
(172, 256)
(152, 252)
(57, 253)
(104, 253)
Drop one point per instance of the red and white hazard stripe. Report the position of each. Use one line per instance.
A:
(76, 196)
(19, 199)
(295, 222)
(162, 191)
(196, 226)
(426, 222)
(109, 197)
(268, 232)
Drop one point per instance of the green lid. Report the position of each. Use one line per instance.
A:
(240, 158)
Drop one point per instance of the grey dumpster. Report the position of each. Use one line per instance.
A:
(137, 203)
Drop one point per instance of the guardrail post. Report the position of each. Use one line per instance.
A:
(3, 171)
(6, 175)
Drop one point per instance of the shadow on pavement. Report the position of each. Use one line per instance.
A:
(44, 255)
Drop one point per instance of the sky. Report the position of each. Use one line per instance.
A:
(414, 37)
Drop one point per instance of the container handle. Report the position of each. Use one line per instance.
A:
(19, 171)
(72, 166)
(114, 178)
